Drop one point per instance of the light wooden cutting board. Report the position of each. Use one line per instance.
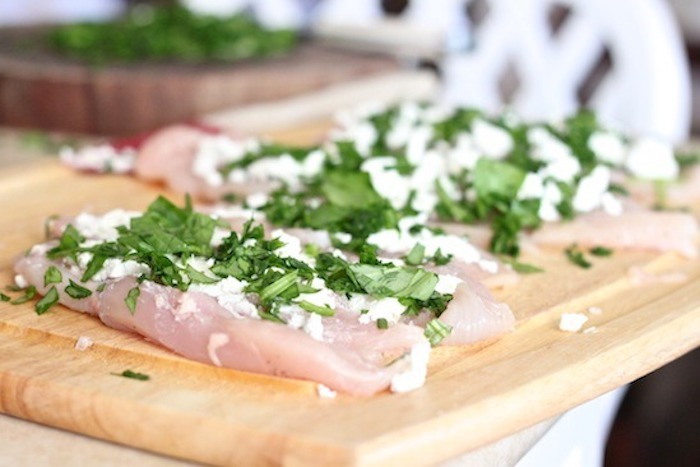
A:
(473, 395)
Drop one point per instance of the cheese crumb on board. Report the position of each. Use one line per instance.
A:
(572, 322)
(324, 392)
(83, 343)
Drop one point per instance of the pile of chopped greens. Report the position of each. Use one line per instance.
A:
(167, 33)
(166, 236)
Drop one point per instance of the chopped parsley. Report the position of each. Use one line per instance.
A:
(47, 301)
(436, 331)
(52, 276)
(29, 294)
(576, 256)
(77, 291)
(133, 375)
(601, 251)
(132, 298)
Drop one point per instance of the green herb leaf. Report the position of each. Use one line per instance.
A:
(52, 276)
(415, 256)
(133, 375)
(382, 323)
(601, 251)
(29, 294)
(520, 267)
(436, 331)
(77, 291)
(131, 299)
(393, 281)
(4, 298)
(313, 308)
(279, 286)
(576, 257)
(495, 178)
(47, 301)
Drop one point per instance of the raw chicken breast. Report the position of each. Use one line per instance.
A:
(356, 358)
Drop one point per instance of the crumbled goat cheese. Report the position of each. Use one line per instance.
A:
(389, 308)
(532, 187)
(493, 141)
(324, 392)
(21, 281)
(418, 143)
(414, 375)
(447, 283)
(83, 343)
(608, 147)
(653, 160)
(611, 204)
(591, 188)
(216, 151)
(572, 322)
(229, 293)
(100, 158)
(389, 183)
(103, 227)
(256, 200)
(292, 247)
(314, 326)
(464, 154)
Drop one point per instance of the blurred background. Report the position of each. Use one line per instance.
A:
(658, 422)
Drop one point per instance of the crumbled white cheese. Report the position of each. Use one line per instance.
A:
(493, 141)
(229, 293)
(572, 322)
(256, 200)
(292, 247)
(611, 204)
(418, 143)
(414, 375)
(343, 237)
(591, 188)
(314, 326)
(532, 187)
(652, 159)
(83, 343)
(447, 283)
(324, 392)
(548, 212)
(389, 183)
(100, 158)
(608, 147)
(21, 281)
(214, 152)
(595, 310)
(104, 227)
(388, 308)
(464, 154)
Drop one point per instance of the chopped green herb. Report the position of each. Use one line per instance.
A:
(601, 251)
(101, 287)
(522, 268)
(76, 291)
(133, 375)
(318, 309)
(47, 301)
(29, 294)
(52, 276)
(415, 256)
(131, 299)
(575, 255)
(382, 323)
(4, 298)
(436, 331)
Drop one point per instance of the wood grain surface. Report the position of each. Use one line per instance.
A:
(474, 394)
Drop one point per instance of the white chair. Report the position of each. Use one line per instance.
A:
(646, 91)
